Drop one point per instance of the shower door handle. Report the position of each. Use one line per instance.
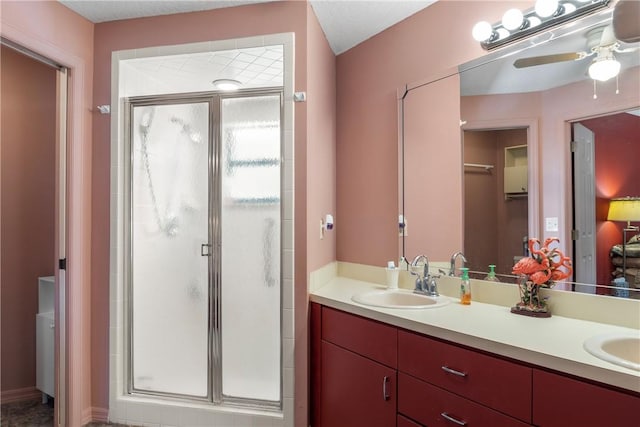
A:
(205, 249)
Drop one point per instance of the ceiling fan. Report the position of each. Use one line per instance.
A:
(601, 42)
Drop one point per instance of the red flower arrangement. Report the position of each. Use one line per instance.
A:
(545, 266)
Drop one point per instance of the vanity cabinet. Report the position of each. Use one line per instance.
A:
(357, 381)
(559, 401)
(367, 373)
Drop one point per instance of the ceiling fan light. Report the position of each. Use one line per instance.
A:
(512, 19)
(482, 31)
(546, 8)
(603, 69)
(226, 85)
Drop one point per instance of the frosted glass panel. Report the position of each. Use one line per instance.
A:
(169, 210)
(250, 221)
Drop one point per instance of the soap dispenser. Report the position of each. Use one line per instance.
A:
(491, 277)
(465, 287)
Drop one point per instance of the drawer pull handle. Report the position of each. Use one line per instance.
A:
(453, 371)
(385, 393)
(453, 420)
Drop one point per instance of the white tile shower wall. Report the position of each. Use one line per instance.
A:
(122, 407)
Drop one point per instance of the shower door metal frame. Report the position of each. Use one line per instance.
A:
(231, 400)
(214, 360)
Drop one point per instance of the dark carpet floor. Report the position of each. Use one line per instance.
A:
(33, 413)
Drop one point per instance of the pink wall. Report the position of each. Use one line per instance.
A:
(28, 117)
(431, 140)
(314, 149)
(617, 151)
(423, 45)
(52, 30)
(321, 146)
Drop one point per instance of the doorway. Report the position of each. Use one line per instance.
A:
(604, 167)
(496, 203)
(34, 92)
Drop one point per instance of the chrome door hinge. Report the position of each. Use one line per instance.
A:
(575, 234)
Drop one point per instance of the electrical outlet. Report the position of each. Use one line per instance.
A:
(551, 224)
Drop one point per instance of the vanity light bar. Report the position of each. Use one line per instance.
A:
(517, 25)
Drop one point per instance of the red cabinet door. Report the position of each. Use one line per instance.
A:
(355, 391)
(560, 401)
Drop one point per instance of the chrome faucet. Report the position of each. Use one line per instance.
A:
(425, 283)
(452, 268)
(422, 279)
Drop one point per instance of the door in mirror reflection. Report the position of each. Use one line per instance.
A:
(495, 198)
(613, 162)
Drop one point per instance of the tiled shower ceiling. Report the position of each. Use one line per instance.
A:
(253, 67)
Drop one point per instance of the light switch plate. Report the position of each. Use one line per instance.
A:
(551, 224)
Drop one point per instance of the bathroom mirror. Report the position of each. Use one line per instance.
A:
(538, 105)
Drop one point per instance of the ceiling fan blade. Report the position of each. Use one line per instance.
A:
(547, 59)
(625, 21)
(608, 36)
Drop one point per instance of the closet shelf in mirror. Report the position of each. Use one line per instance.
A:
(478, 165)
(512, 196)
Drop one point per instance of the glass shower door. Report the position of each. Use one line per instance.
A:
(169, 236)
(250, 216)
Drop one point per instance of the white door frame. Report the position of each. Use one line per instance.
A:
(75, 351)
(584, 204)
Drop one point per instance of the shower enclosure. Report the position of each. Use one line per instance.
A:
(203, 247)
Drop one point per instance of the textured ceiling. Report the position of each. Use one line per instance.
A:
(253, 67)
(345, 23)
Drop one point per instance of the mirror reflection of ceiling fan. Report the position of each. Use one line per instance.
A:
(602, 43)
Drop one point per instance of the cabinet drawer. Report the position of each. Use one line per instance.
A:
(431, 406)
(560, 401)
(493, 382)
(406, 422)
(372, 339)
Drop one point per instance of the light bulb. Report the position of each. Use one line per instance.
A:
(534, 21)
(482, 31)
(512, 19)
(546, 8)
(604, 68)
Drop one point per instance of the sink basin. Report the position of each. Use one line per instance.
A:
(399, 298)
(619, 349)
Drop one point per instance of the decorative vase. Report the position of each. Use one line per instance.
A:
(531, 303)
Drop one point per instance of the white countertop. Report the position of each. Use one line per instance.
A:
(555, 343)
